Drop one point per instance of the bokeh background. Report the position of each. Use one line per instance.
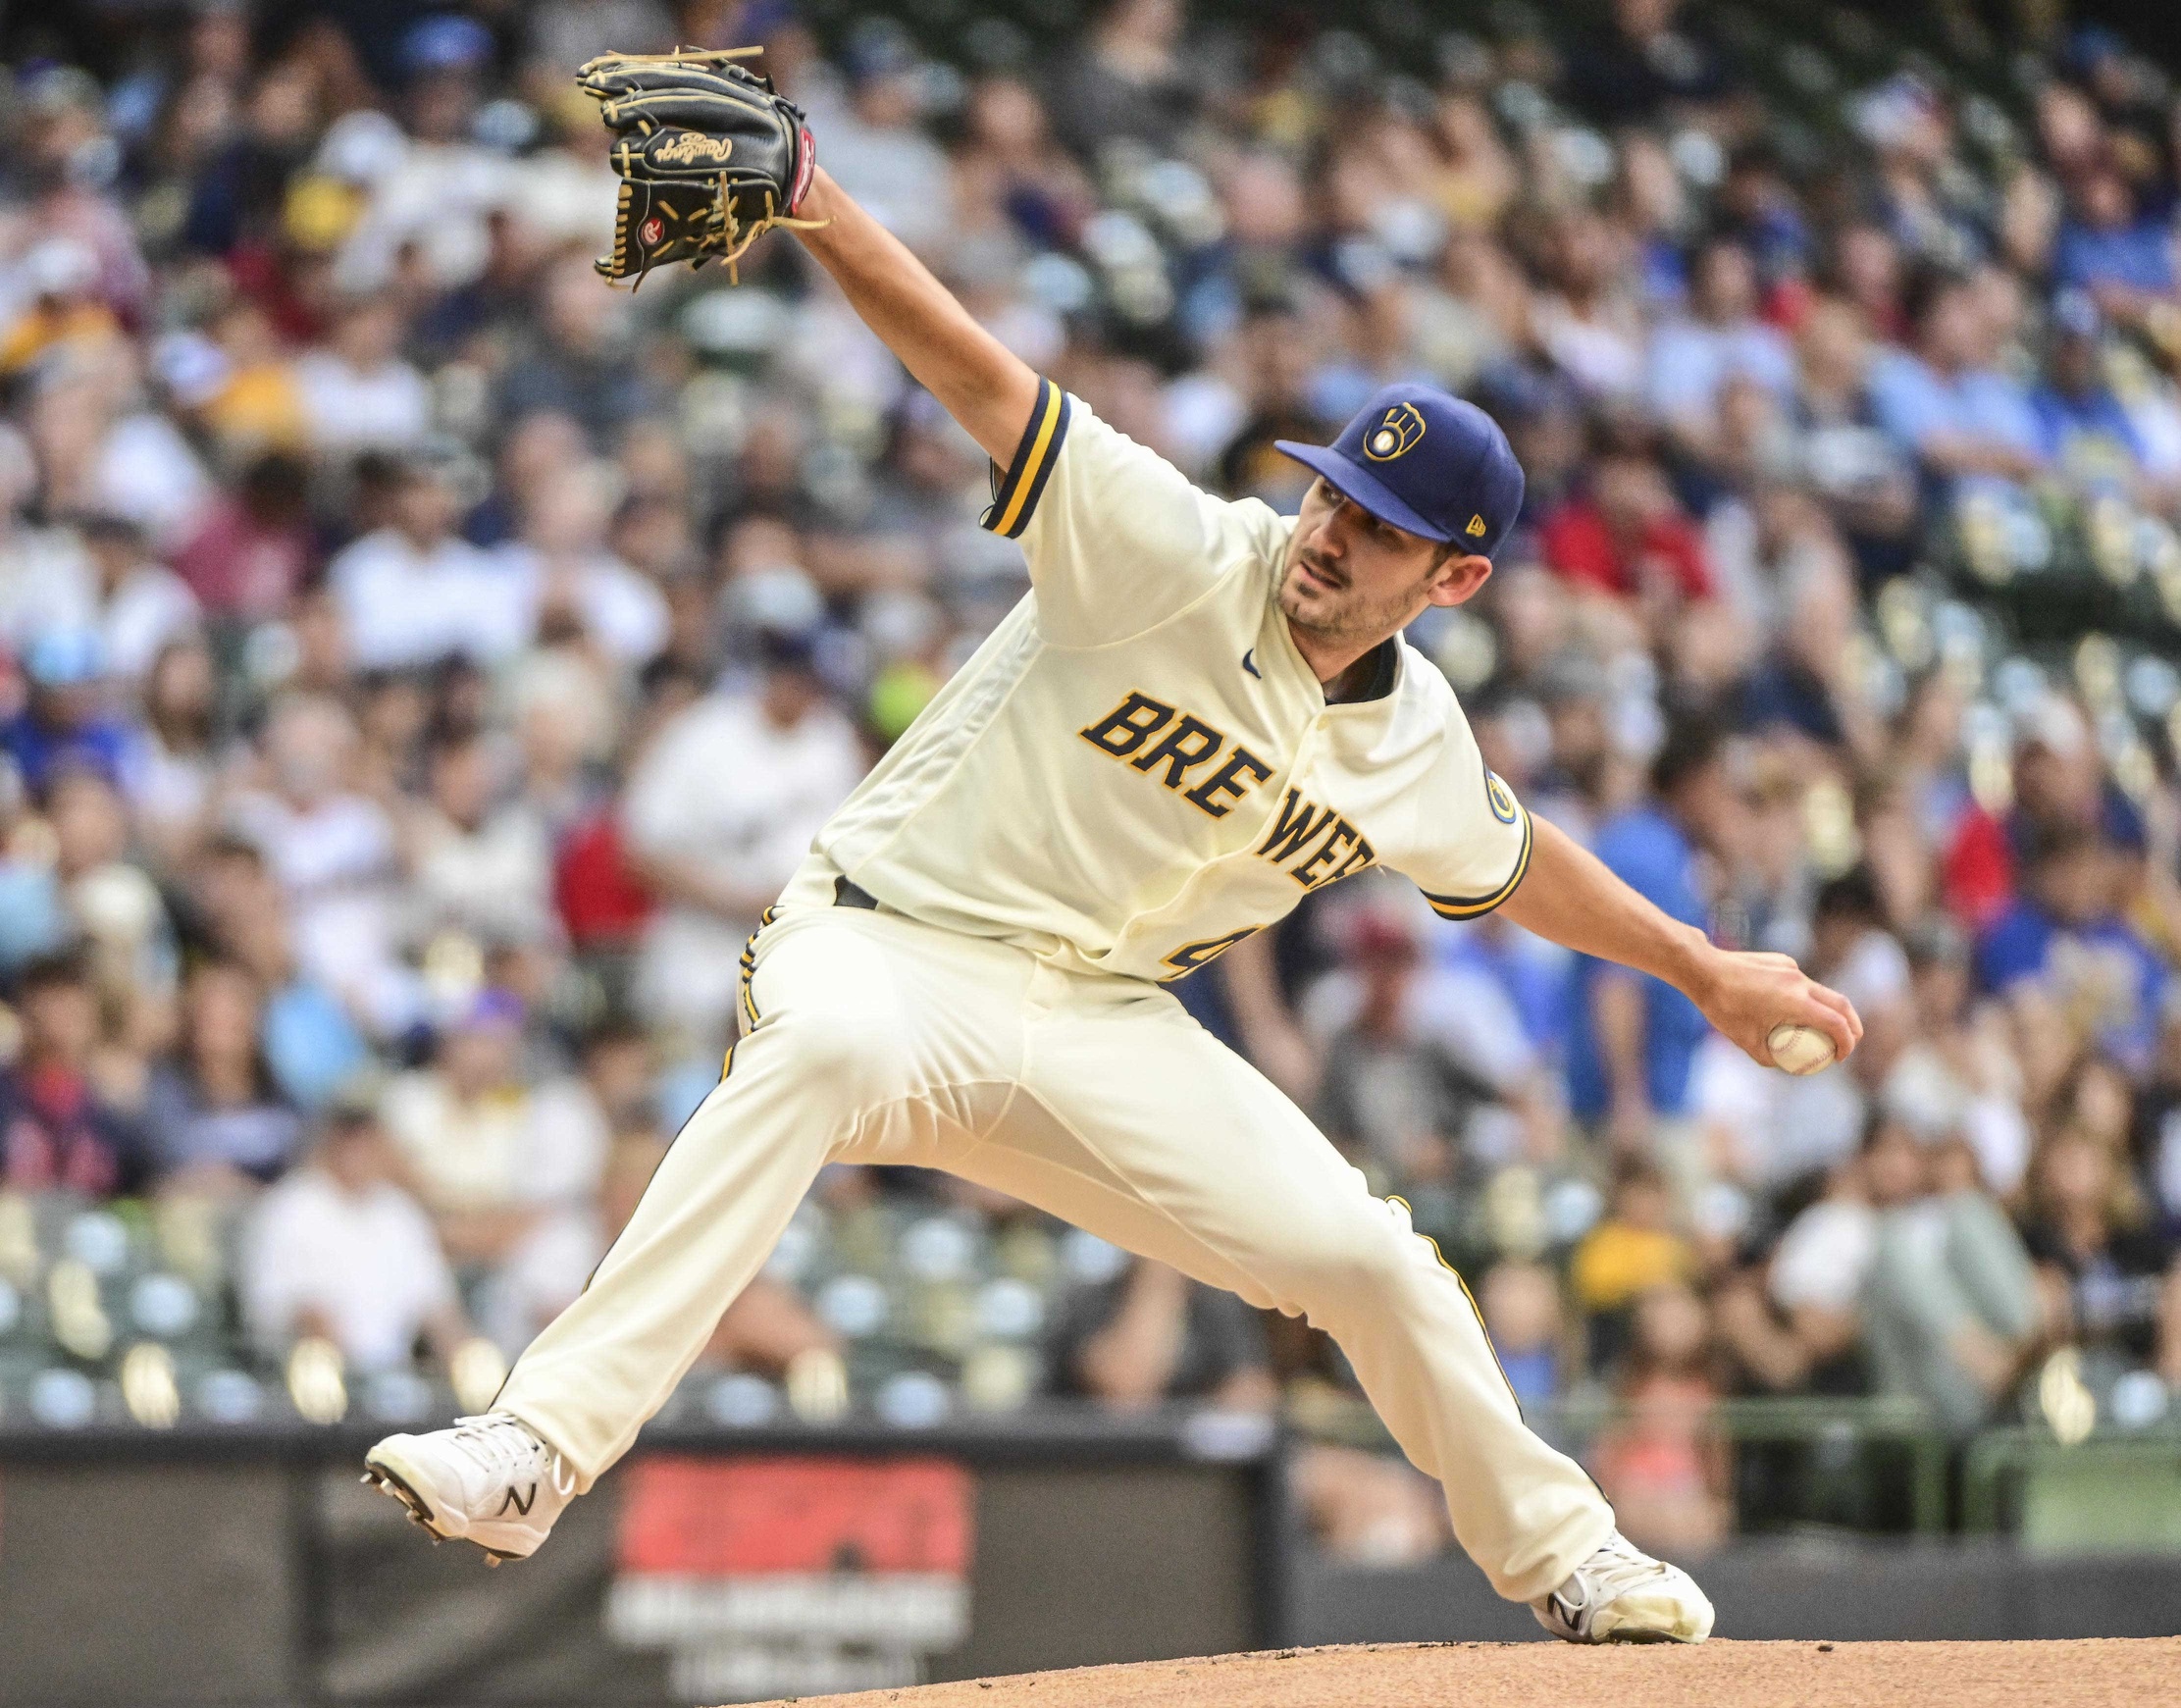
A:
(420, 664)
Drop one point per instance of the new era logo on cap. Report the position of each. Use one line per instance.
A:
(1428, 463)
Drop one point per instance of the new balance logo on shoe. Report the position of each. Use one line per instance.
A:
(522, 1503)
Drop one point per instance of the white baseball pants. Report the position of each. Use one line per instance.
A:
(878, 1039)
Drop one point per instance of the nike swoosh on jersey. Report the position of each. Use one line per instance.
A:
(1249, 663)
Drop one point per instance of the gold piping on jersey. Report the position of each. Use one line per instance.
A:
(1476, 906)
(1460, 1281)
(748, 965)
(1014, 494)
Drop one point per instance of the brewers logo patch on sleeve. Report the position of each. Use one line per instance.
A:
(1482, 844)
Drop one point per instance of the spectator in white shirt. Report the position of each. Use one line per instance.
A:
(146, 469)
(877, 149)
(332, 852)
(357, 391)
(718, 813)
(1692, 359)
(477, 863)
(44, 583)
(1793, 1324)
(430, 187)
(570, 578)
(339, 1249)
(510, 1172)
(171, 785)
(1589, 323)
(416, 591)
(142, 604)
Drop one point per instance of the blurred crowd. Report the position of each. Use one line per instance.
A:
(420, 664)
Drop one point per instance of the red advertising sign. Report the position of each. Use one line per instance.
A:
(732, 1518)
(793, 1574)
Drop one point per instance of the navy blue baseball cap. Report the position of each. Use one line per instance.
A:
(1427, 462)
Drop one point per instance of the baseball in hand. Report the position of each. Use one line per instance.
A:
(1798, 1049)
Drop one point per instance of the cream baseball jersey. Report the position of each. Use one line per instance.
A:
(1137, 769)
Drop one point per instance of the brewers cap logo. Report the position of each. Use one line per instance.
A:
(1397, 432)
(1502, 799)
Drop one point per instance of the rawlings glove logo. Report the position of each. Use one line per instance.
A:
(694, 148)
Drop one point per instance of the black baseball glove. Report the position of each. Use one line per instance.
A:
(710, 156)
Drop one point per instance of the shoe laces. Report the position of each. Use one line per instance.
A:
(505, 1447)
(1617, 1566)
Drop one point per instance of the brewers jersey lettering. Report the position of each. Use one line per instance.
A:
(1138, 769)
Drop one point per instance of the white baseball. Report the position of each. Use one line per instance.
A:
(1798, 1049)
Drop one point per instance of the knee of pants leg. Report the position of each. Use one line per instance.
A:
(1353, 1259)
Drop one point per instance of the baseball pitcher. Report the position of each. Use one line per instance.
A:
(1201, 711)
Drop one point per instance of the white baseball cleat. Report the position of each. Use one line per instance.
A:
(1619, 1594)
(488, 1480)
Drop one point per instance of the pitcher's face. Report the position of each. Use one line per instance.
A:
(1350, 576)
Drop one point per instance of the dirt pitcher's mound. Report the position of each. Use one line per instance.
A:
(1716, 1674)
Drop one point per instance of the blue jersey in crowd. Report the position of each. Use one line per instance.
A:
(2087, 435)
(1650, 853)
(2103, 969)
(2138, 256)
(1916, 404)
(42, 751)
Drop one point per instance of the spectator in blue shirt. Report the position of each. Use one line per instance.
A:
(1945, 400)
(1633, 1038)
(66, 725)
(2084, 432)
(2106, 248)
(1760, 210)
(2064, 938)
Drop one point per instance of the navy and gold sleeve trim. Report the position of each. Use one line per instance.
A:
(1476, 906)
(1014, 493)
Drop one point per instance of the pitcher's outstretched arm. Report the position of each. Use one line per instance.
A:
(1571, 896)
(979, 381)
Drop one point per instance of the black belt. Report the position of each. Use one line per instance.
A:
(847, 895)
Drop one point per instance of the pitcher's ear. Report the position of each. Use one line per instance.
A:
(1460, 579)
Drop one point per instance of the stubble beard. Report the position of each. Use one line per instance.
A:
(1345, 616)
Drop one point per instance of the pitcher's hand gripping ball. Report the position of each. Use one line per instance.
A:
(1799, 1049)
(710, 156)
